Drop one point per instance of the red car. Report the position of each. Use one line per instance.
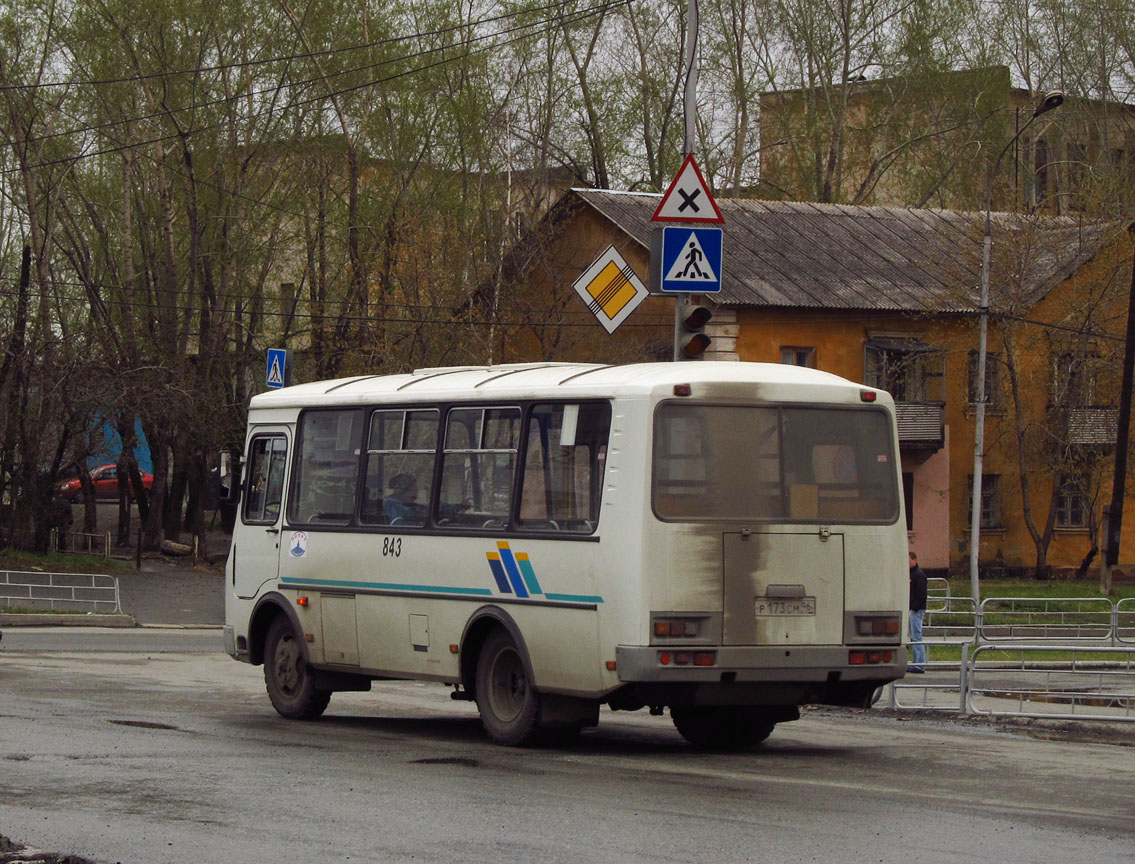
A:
(105, 480)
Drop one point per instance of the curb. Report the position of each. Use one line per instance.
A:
(92, 619)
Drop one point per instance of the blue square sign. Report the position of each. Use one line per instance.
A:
(691, 260)
(279, 367)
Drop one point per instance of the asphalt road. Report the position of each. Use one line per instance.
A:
(167, 757)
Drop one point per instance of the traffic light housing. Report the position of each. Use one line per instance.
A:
(692, 339)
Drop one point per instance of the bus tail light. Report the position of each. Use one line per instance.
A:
(687, 658)
(667, 628)
(877, 625)
(869, 658)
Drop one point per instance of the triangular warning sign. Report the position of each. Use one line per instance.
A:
(688, 199)
(275, 374)
(691, 265)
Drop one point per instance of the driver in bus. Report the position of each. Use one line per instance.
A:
(401, 506)
(402, 502)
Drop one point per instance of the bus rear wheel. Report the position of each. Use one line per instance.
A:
(290, 683)
(722, 728)
(508, 703)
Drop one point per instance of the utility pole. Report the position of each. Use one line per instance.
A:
(1114, 521)
(689, 127)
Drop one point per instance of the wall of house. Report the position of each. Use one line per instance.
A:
(929, 533)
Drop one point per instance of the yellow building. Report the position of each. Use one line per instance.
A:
(888, 297)
(931, 139)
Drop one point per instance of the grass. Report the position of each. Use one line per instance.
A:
(27, 610)
(1041, 588)
(61, 562)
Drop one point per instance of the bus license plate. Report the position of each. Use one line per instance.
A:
(775, 606)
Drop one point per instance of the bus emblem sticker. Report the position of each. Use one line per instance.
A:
(297, 547)
(513, 571)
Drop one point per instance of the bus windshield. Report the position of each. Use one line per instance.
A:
(773, 463)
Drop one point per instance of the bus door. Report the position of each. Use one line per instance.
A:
(783, 588)
(256, 549)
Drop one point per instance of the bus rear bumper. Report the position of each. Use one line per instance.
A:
(643, 664)
(754, 675)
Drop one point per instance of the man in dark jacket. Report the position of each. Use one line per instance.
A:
(917, 611)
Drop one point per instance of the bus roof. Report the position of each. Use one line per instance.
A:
(574, 380)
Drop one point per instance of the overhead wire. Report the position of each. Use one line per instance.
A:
(460, 48)
(282, 58)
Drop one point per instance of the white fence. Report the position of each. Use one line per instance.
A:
(1059, 658)
(59, 592)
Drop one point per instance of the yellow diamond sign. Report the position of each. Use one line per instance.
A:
(610, 289)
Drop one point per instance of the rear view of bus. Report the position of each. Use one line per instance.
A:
(778, 523)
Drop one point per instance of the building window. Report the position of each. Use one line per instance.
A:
(1073, 380)
(794, 356)
(993, 390)
(909, 370)
(1071, 504)
(990, 501)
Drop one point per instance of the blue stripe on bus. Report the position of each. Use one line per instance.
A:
(529, 574)
(389, 586)
(498, 573)
(513, 571)
(576, 598)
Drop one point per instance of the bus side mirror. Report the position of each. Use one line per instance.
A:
(229, 475)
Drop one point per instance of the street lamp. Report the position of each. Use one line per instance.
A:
(1053, 100)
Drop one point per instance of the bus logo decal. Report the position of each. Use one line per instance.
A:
(297, 546)
(514, 574)
(513, 571)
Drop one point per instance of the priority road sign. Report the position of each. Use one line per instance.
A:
(610, 289)
(689, 260)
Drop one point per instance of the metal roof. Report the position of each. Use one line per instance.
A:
(834, 256)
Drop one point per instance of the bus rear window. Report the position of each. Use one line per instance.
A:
(773, 463)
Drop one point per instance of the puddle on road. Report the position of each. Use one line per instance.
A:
(144, 724)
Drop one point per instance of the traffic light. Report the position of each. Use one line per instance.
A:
(692, 341)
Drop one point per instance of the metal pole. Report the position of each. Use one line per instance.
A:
(689, 128)
(690, 96)
(1052, 100)
(1119, 486)
(979, 425)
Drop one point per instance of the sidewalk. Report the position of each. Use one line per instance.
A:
(166, 590)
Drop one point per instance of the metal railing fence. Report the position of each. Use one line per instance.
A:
(1064, 619)
(1125, 620)
(81, 542)
(1096, 682)
(51, 592)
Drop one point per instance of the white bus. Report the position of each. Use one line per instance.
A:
(725, 540)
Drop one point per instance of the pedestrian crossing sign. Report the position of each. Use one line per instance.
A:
(279, 367)
(690, 260)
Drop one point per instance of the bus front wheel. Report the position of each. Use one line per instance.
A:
(508, 703)
(722, 728)
(290, 683)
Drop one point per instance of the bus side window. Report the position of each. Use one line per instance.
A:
(563, 469)
(265, 479)
(401, 443)
(477, 467)
(327, 468)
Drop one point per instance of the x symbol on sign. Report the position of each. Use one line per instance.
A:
(688, 200)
